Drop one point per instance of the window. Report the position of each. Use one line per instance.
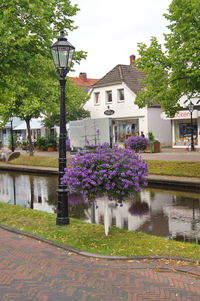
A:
(183, 133)
(120, 95)
(96, 98)
(109, 96)
(125, 128)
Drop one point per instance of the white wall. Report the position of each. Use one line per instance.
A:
(125, 109)
(149, 118)
(84, 132)
(159, 127)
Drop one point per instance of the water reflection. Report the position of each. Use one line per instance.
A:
(29, 191)
(171, 214)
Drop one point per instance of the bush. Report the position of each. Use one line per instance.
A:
(151, 137)
(52, 140)
(41, 143)
(137, 143)
(116, 172)
(152, 140)
(23, 145)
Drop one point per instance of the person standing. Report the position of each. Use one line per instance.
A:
(142, 134)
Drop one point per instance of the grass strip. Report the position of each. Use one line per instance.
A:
(91, 238)
(171, 168)
(38, 160)
(174, 168)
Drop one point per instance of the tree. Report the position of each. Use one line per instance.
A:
(173, 71)
(27, 75)
(75, 99)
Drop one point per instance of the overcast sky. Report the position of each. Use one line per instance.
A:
(109, 30)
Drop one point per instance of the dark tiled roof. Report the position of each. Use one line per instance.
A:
(123, 73)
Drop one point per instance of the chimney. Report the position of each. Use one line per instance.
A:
(132, 60)
(83, 76)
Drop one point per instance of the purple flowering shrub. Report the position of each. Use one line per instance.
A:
(137, 143)
(112, 171)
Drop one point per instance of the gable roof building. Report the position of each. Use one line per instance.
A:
(128, 74)
(117, 91)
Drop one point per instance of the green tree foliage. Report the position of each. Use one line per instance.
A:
(27, 77)
(75, 98)
(173, 71)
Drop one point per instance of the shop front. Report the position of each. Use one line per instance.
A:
(183, 129)
(124, 129)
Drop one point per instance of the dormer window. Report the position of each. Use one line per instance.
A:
(109, 96)
(120, 95)
(97, 98)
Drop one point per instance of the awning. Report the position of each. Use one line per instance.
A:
(34, 124)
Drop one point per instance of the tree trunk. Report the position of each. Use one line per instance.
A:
(29, 140)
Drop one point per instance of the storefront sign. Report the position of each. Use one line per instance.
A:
(109, 112)
(181, 115)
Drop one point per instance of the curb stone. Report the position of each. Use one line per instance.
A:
(93, 255)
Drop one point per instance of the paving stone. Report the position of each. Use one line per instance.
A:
(35, 271)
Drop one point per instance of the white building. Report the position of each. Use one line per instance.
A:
(117, 91)
(20, 129)
(37, 129)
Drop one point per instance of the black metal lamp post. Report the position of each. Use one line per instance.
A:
(12, 138)
(191, 108)
(62, 52)
(110, 112)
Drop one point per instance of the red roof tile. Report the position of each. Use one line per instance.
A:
(83, 83)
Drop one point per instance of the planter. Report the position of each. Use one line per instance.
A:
(155, 147)
(51, 149)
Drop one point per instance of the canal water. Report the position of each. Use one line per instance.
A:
(162, 212)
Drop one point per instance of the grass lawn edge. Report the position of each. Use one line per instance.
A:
(89, 239)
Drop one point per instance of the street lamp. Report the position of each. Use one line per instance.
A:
(62, 52)
(191, 108)
(12, 138)
(110, 112)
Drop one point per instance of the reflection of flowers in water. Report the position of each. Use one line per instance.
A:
(139, 208)
(76, 198)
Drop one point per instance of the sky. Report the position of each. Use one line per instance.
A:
(109, 31)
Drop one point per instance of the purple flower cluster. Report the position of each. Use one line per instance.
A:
(137, 143)
(68, 146)
(76, 198)
(112, 171)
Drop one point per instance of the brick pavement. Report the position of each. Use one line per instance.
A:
(33, 270)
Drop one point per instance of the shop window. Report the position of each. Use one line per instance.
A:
(183, 133)
(125, 129)
(109, 96)
(38, 133)
(120, 95)
(97, 98)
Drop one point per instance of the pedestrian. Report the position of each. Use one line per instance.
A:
(142, 134)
